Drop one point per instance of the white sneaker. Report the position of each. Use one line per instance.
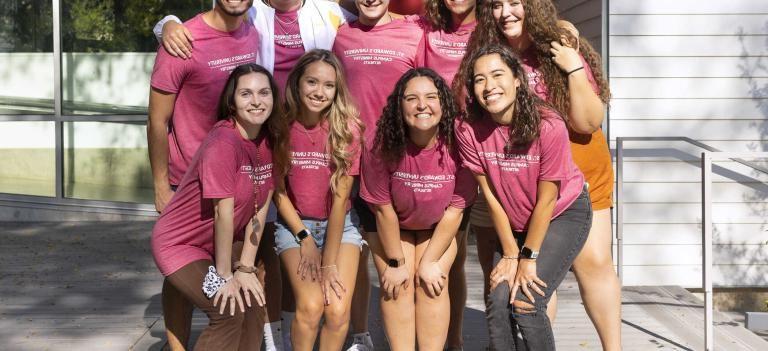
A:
(361, 342)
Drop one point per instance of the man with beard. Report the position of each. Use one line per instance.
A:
(182, 110)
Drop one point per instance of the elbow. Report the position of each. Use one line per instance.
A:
(585, 128)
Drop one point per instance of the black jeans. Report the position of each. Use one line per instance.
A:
(532, 330)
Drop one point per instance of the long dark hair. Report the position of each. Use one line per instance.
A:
(541, 25)
(391, 130)
(526, 116)
(276, 128)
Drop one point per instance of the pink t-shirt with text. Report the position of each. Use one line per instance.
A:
(420, 187)
(288, 45)
(442, 51)
(226, 166)
(308, 182)
(515, 174)
(374, 58)
(197, 83)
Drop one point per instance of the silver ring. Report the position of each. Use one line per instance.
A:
(529, 284)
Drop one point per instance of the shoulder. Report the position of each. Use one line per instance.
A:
(223, 132)
(551, 121)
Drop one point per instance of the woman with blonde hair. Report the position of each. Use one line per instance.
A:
(317, 237)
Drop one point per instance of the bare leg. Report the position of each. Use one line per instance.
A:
(599, 286)
(457, 291)
(433, 313)
(337, 313)
(399, 314)
(177, 314)
(362, 295)
(309, 303)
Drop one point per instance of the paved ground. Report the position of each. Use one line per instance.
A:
(94, 286)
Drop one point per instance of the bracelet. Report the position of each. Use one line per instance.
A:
(240, 267)
(328, 266)
(509, 257)
(574, 70)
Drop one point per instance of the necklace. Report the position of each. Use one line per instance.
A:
(507, 142)
(311, 140)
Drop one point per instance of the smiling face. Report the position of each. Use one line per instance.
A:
(510, 18)
(421, 106)
(234, 8)
(371, 11)
(253, 99)
(495, 87)
(460, 7)
(317, 88)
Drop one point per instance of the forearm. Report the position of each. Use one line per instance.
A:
(541, 216)
(586, 110)
(287, 212)
(444, 233)
(335, 229)
(253, 235)
(389, 231)
(223, 234)
(160, 111)
(499, 219)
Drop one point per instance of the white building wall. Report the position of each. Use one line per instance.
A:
(697, 69)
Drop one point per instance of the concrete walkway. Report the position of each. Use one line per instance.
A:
(94, 286)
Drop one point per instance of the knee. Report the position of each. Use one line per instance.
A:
(593, 263)
(309, 312)
(498, 299)
(336, 316)
(523, 308)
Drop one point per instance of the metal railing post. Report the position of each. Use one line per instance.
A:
(706, 249)
(620, 209)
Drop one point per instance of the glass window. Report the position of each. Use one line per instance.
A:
(27, 153)
(26, 53)
(107, 161)
(109, 50)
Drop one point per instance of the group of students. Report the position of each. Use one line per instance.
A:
(289, 137)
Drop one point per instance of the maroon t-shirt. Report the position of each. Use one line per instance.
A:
(197, 83)
(442, 51)
(226, 166)
(420, 187)
(288, 45)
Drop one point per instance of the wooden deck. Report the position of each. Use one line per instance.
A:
(94, 286)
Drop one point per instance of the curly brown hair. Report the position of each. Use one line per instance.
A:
(391, 130)
(276, 128)
(541, 25)
(526, 117)
(438, 14)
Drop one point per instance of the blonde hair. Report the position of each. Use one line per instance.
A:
(344, 124)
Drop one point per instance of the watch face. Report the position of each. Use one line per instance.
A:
(392, 263)
(528, 253)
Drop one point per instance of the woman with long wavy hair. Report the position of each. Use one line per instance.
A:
(413, 180)
(517, 146)
(567, 73)
(317, 237)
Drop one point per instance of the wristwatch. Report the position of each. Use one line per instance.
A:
(301, 235)
(396, 262)
(529, 254)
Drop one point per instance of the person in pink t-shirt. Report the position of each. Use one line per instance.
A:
(375, 51)
(413, 179)
(317, 236)
(221, 199)
(518, 148)
(182, 110)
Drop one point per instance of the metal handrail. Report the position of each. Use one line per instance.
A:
(707, 157)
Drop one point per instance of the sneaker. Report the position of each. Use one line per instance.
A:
(361, 342)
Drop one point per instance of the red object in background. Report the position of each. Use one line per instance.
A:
(407, 7)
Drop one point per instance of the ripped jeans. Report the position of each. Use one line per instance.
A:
(521, 330)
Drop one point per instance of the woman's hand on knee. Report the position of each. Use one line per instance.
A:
(527, 280)
(249, 284)
(229, 293)
(504, 271)
(310, 260)
(392, 279)
(332, 283)
(432, 278)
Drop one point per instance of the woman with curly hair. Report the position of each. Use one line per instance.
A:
(316, 236)
(223, 198)
(413, 181)
(567, 73)
(518, 149)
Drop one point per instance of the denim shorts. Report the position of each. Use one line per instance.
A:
(284, 238)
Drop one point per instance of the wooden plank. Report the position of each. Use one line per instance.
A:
(689, 67)
(688, 46)
(688, 88)
(717, 24)
(687, 7)
(690, 234)
(751, 108)
(697, 130)
(566, 5)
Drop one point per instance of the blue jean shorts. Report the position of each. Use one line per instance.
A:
(284, 238)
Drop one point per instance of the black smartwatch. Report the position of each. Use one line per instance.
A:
(395, 262)
(529, 254)
(301, 235)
